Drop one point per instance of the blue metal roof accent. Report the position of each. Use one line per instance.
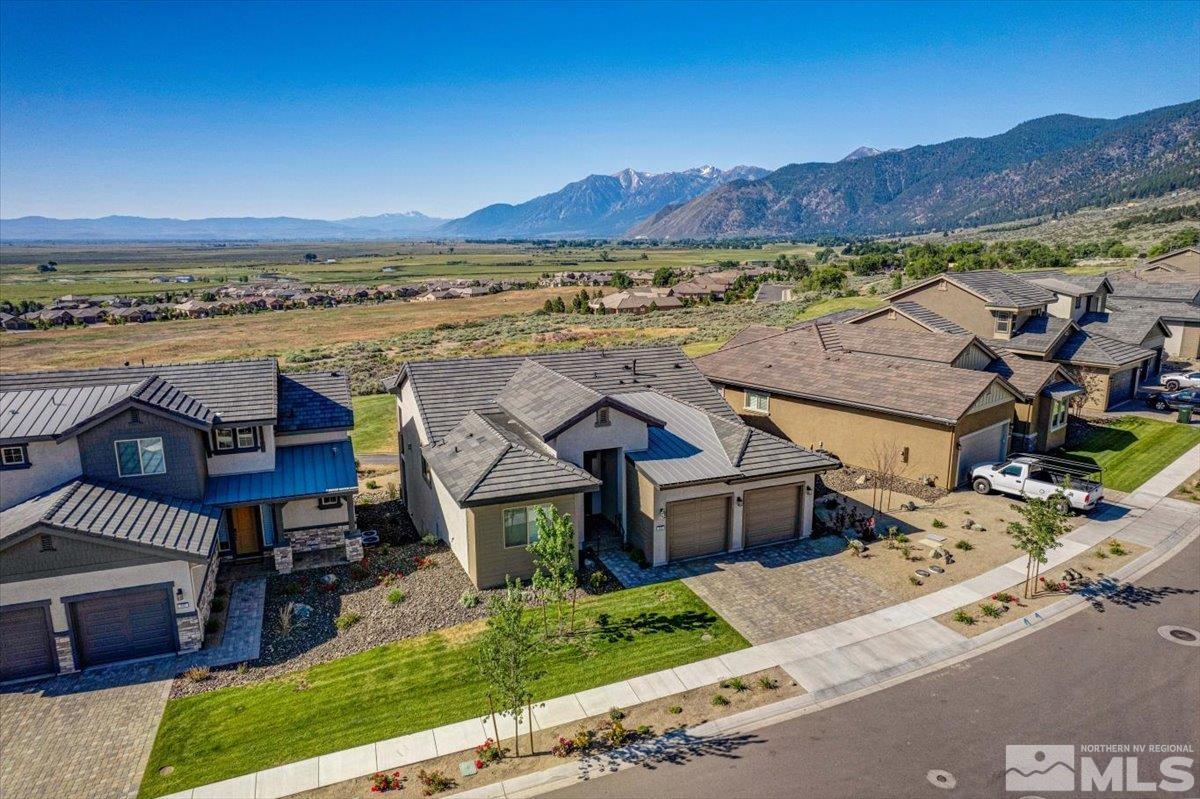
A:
(303, 471)
(314, 401)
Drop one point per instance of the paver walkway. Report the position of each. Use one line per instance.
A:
(858, 651)
(89, 734)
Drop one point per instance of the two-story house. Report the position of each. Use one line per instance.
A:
(1059, 318)
(632, 444)
(121, 489)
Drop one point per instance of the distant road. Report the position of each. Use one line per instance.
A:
(1092, 678)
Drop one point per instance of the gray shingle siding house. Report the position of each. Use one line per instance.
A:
(122, 489)
(634, 443)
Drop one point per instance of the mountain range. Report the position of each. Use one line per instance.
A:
(1054, 163)
(598, 205)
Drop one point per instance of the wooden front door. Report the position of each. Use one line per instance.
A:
(245, 530)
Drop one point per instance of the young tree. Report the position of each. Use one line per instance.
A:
(1045, 522)
(663, 276)
(620, 280)
(553, 553)
(505, 657)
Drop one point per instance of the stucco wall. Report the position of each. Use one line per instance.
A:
(51, 464)
(70, 554)
(489, 561)
(957, 305)
(300, 513)
(296, 439)
(183, 448)
(623, 431)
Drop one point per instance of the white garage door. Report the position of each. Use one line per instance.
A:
(771, 514)
(697, 527)
(988, 445)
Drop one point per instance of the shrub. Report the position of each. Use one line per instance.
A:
(395, 597)
(434, 782)
(489, 752)
(962, 617)
(583, 738)
(372, 484)
(359, 571)
(430, 540)
(965, 546)
(901, 538)
(564, 747)
(1101, 554)
(469, 598)
(382, 782)
(616, 734)
(197, 674)
(938, 524)
(243, 668)
(719, 700)
(1005, 597)
(1115, 548)
(675, 710)
(217, 605)
(287, 617)
(347, 620)
(767, 683)
(906, 551)
(735, 684)
(990, 610)
(423, 562)
(615, 714)
(212, 625)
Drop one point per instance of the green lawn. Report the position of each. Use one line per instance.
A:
(416, 684)
(374, 424)
(1133, 449)
(837, 304)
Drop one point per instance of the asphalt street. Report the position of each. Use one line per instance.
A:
(1101, 676)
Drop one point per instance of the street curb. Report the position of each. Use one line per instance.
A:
(768, 715)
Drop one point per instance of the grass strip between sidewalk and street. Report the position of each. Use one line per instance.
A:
(416, 684)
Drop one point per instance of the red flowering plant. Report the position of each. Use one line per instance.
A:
(423, 562)
(382, 782)
(564, 748)
(487, 753)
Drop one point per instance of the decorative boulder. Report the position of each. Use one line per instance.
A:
(861, 480)
(910, 505)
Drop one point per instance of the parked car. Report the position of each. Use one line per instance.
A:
(1027, 476)
(1174, 400)
(1173, 381)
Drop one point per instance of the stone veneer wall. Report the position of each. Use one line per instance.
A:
(191, 632)
(62, 648)
(316, 538)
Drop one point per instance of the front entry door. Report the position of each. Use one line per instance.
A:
(245, 530)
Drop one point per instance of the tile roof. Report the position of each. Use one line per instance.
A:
(1178, 290)
(1027, 375)
(1001, 289)
(1094, 349)
(484, 460)
(1167, 310)
(103, 510)
(1067, 281)
(1130, 326)
(447, 390)
(302, 471)
(928, 318)
(918, 345)
(314, 401)
(797, 363)
(1038, 334)
(544, 400)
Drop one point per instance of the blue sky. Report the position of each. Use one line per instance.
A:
(342, 109)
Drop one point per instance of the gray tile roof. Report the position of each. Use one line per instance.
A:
(919, 345)
(447, 390)
(1027, 375)
(1085, 347)
(1177, 289)
(1067, 281)
(481, 461)
(544, 400)
(1039, 334)
(98, 509)
(928, 318)
(798, 363)
(1130, 326)
(1002, 289)
(314, 401)
(1173, 311)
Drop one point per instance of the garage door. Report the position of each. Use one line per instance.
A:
(771, 514)
(988, 445)
(124, 625)
(1120, 387)
(697, 527)
(26, 645)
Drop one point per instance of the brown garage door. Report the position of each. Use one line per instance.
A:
(124, 625)
(697, 527)
(771, 514)
(26, 647)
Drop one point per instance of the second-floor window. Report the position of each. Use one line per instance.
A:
(758, 401)
(140, 456)
(1003, 323)
(235, 439)
(14, 456)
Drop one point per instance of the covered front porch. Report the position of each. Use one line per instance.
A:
(300, 515)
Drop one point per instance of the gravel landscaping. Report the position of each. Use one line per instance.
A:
(849, 478)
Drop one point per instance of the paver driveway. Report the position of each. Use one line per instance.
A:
(82, 735)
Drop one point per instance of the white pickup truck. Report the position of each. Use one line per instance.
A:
(1027, 476)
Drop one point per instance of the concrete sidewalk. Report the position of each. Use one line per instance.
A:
(840, 657)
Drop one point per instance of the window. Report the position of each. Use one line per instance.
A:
(1078, 301)
(235, 439)
(1058, 413)
(325, 503)
(1003, 322)
(140, 456)
(520, 525)
(426, 475)
(15, 456)
(759, 401)
(602, 417)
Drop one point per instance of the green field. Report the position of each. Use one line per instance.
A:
(374, 425)
(418, 683)
(1131, 450)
